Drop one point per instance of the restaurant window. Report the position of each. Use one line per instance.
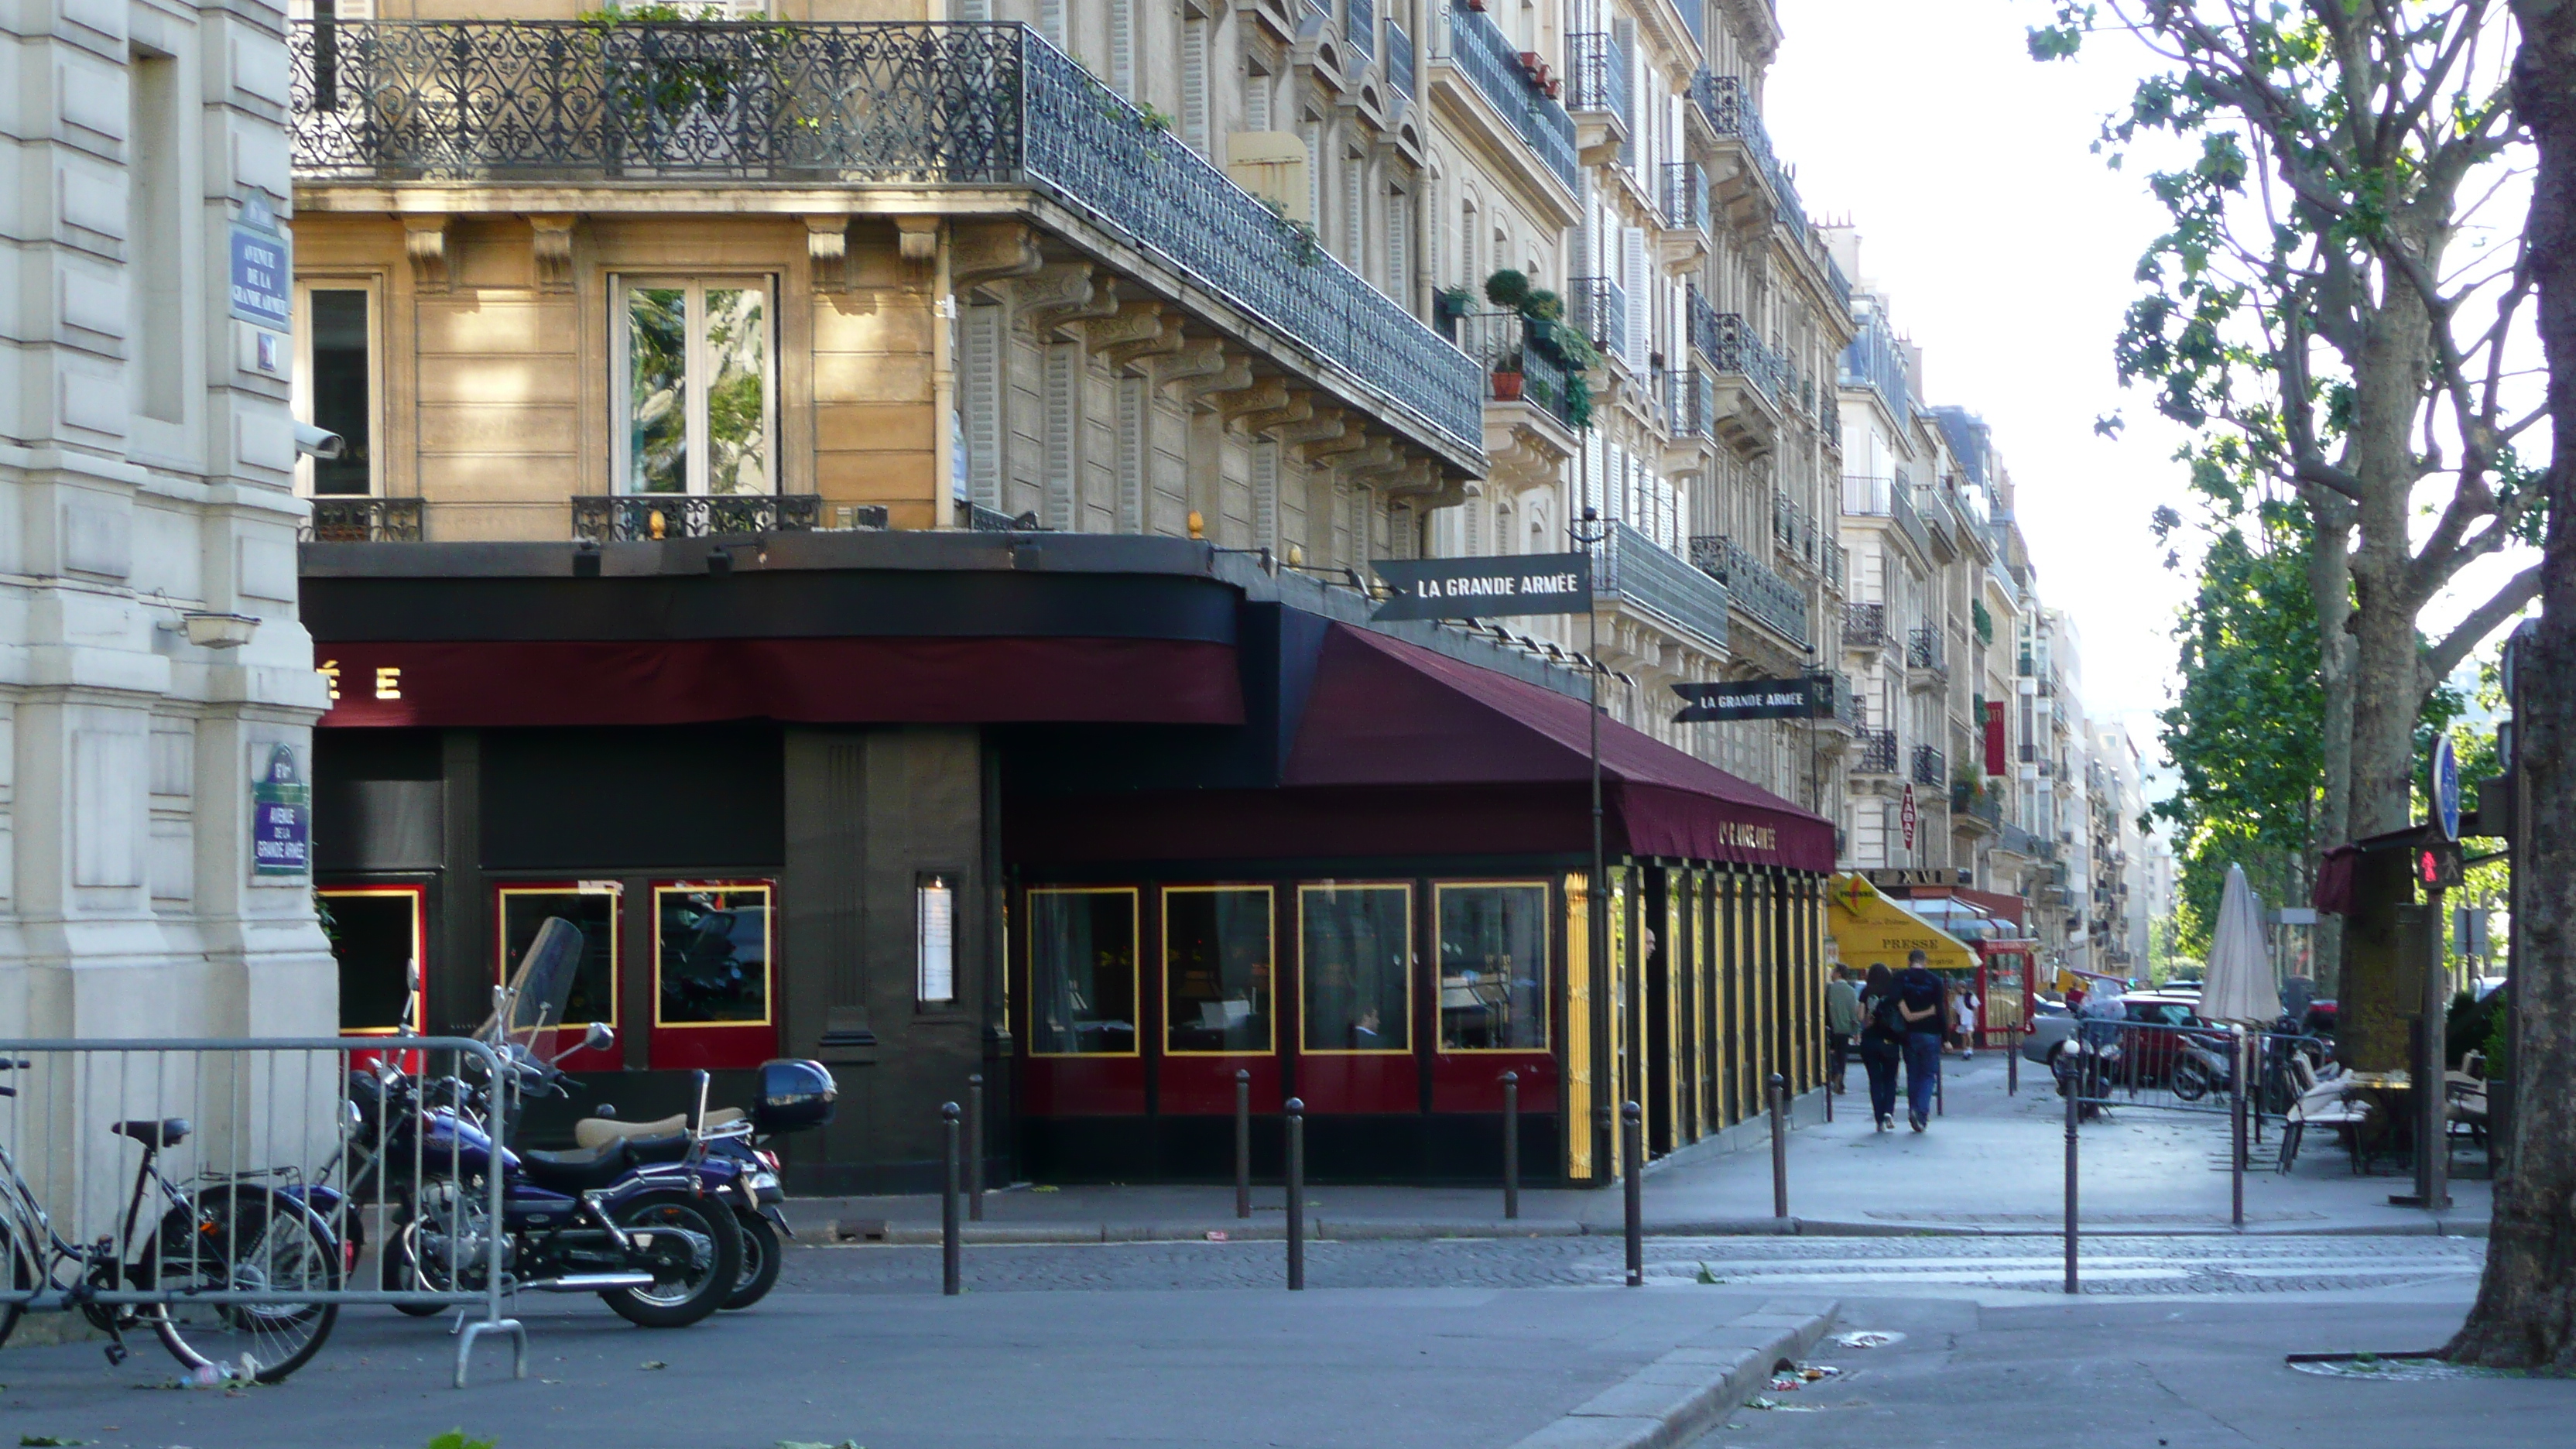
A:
(592, 909)
(1217, 950)
(376, 934)
(697, 411)
(1493, 966)
(1355, 947)
(711, 947)
(333, 385)
(1082, 972)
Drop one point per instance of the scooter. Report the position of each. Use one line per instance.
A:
(2086, 1068)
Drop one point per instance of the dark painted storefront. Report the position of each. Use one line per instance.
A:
(1171, 818)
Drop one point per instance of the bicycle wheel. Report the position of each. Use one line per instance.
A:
(2192, 1079)
(17, 1275)
(244, 1240)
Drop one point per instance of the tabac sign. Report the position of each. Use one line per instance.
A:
(1485, 588)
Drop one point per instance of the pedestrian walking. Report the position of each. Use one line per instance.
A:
(1922, 1006)
(1963, 1019)
(1842, 1023)
(1882, 1043)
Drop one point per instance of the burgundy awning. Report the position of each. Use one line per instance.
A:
(1387, 713)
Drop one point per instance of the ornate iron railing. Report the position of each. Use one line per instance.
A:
(625, 517)
(1359, 26)
(1760, 592)
(1594, 81)
(1973, 804)
(1685, 196)
(1690, 403)
(1829, 417)
(844, 104)
(1732, 346)
(1928, 769)
(1847, 709)
(1517, 368)
(1923, 649)
(1877, 755)
(365, 520)
(1597, 307)
(977, 518)
(1649, 578)
(1728, 106)
(1399, 58)
(1493, 65)
(1864, 626)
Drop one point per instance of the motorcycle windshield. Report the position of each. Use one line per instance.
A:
(543, 983)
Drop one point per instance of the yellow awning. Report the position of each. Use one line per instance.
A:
(1868, 929)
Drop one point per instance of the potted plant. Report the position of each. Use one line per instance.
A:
(1507, 378)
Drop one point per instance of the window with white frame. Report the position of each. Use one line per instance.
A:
(696, 398)
(335, 384)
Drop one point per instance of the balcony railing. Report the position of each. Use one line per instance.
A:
(1685, 196)
(1728, 106)
(1597, 307)
(1732, 346)
(1829, 417)
(1760, 592)
(1967, 801)
(1649, 578)
(1493, 65)
(1923, 650)
(1886, 498)
(1847, 710)
(1928, 766)
(1594, 80)
(1359, 26)
(1877, 753)
(365, 520)
(1864, 626)
(626, 517)
(839, 105)
(1399, 58)
(1690, 403)
(1517, 368)
(1793, 529)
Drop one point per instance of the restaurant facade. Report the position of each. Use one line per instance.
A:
(1107, 820)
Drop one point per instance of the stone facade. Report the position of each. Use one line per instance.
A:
(147, 457)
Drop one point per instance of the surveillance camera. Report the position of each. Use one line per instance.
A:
(313, 442)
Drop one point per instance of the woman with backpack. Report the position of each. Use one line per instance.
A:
(1882, 1043)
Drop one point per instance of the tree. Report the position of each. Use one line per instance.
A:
(2305, 316)
(2525, 1314)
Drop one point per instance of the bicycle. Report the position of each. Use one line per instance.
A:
(251, 1244)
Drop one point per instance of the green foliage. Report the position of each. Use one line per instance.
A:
(1985, 624)
(1507, 289)
(455, 1439)
(1544, 306)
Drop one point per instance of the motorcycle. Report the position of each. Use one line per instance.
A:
(2086, 1065)
(794, 1096)
(2199, 1068)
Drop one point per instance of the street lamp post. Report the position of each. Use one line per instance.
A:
(1588, 532)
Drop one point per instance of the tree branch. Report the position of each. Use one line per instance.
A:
(2439, 660)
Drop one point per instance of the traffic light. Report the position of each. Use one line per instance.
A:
(2438, 866)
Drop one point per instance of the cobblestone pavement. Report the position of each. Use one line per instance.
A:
(1877, 1266)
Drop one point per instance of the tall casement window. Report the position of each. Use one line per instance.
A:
(1493, 965)
(335, 384)
(696, 396)
(1356, 946)
(1082, 972)
(1217, 954)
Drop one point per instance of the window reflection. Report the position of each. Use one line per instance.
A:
(1216, 968)
(1082, 972)
(1356, 950)
(712, 947)
(594, 982)
(375, 936)
(1493, 967)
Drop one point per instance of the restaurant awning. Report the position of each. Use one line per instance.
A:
(1869, 929)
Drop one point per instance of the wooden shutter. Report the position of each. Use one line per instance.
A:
(1063, 432)
(980, 394)
(1135, 454)
(1194, 84)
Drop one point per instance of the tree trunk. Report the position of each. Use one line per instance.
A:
(2387, 694)
(2525, 1316)
(2330, 589)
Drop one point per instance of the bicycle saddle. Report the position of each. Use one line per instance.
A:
(167, 1132)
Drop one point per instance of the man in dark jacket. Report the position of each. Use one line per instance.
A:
(1924, 1006)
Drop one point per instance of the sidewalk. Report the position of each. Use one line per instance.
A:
(1990, 1164)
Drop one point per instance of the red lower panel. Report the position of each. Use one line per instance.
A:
(1082, 1086)
(1475, 1083)
(1373, 1083)
(715, 1048)
(1204, 1086)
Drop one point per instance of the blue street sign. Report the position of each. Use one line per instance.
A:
(261, 277)
(2446, 788)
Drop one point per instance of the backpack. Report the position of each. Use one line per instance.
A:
(1883, 1017)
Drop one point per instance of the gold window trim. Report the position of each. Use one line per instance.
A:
(1135, 967)
(1411, 961)
(1546, 966)
(616, 893)
(768, 950)
(1270, 918)
(419, 898)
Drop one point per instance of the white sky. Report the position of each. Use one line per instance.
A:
(2006, 249)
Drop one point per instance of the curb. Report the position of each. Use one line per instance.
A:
(1692, 1389)
(878, 1231)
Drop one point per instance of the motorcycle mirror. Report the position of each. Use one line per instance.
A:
(605, 1109)
(599, 1038)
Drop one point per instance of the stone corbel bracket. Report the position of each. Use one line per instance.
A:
(550, 239)
(827, 251)
(425, 243)
(991, 251)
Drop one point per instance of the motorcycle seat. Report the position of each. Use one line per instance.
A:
(577, 1171)
(599, 1131)
(647, 1151)
(166, 1132)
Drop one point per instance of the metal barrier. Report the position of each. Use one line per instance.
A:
(221, 1192)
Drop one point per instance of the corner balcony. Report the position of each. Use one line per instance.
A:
(1480, 71)
(1752, 187)
(1759, 594)
(1645, 577)
(1529, 417)
(429, 119)
(1754, 382)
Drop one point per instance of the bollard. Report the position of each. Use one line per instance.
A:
(2236, 1125)
(1633, 1122)
(1940, 1086)
(1829, 1100)
(1296, 1195)
(1779, 1146)
(975, 1148)
(2074, 1099)
(1242, 1143)
(2012, 1067)
(948, 1205)
(1511, 1145)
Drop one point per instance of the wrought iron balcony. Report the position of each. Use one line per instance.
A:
(1399, 58)
(1829, 417)
(1732, 346)
(857, 104)
(627, 517)
(1727, 104)
(1597, 307)
(1685, 196)
(1928, 767)
(1519, 367)
(1968, 803)
(1647, 577)
(1761, 593)
(1847, 711)
(1690, 403)
(1595, 78)
(1923, 650)
(1877, 754)
(1864, 626)
(1359, 26)
(365, 520)
(1492, 64)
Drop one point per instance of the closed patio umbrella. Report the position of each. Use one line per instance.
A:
(2238, 986)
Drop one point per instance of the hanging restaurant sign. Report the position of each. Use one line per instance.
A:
(1810, 697)
(1484, 588)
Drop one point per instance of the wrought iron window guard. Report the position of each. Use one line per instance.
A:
(1597, 307)
(1928, 766)
(1923, 649)
(365, 520)
(633, 517)
(1686, 196)
(1877, 754)
(1864, 625)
